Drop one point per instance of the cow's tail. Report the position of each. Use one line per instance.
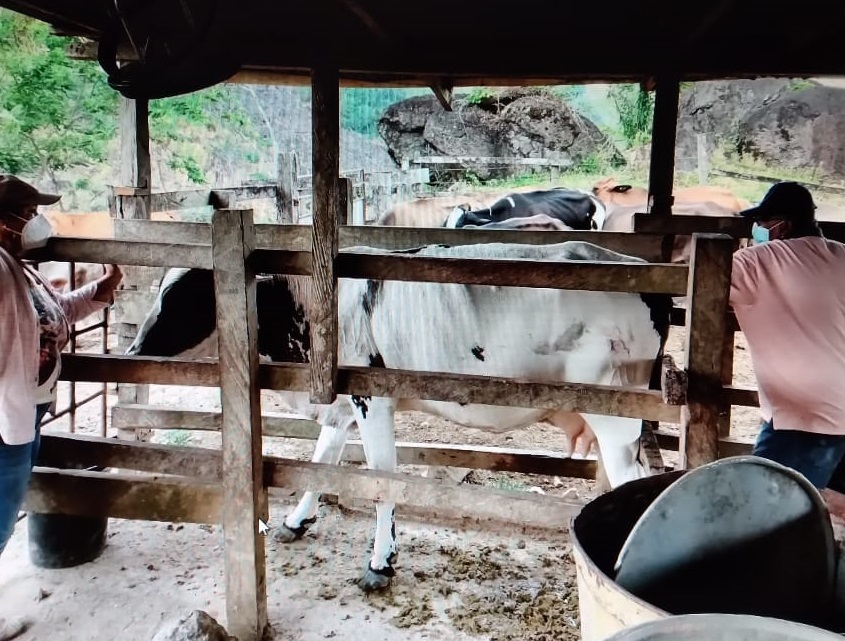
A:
(660, 308)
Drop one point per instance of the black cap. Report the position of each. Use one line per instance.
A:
(14, 191)
(787, 200)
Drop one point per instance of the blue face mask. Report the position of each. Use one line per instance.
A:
(759, 233)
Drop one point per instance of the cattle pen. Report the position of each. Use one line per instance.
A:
(144, 481)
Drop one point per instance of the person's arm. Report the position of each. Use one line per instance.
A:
(92, 297)
(744, 274)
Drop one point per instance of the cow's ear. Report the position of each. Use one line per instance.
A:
(621, 189)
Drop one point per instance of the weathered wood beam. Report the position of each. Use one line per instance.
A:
(245, 503)
(709, 285)
(325, 152)
(661, 173)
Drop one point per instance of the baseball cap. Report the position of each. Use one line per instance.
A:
(14, 191)
(786, 199)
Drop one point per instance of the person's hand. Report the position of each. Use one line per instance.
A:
(113, 273)
(107, 283)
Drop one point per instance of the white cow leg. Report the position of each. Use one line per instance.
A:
(375, 422)
(329, 449)
(619, 444)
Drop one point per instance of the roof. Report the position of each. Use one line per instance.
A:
(465, 42)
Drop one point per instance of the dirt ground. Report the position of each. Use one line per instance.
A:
(450, 584)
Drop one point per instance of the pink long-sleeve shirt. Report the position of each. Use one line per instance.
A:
(789, 299)
(19, 345)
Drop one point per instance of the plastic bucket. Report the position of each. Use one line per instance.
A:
(64, 540)
(723, 627)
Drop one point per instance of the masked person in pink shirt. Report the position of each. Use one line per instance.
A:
(35, 325)
(788, 293)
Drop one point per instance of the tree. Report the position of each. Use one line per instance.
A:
(55, 113)
(636, 109)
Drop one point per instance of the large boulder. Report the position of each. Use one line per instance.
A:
(802, 129)
(717, 109)
(525, 123)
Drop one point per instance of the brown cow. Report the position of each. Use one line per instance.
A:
(609, 191)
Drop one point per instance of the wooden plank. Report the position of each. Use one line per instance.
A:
(490, 160)
(580, 275)
(685, 224)
(727, 379)
(325, 145)
(61, 450)
(123, 496)
(244, 495)
(139, 369)
(438, 499)
(284, 187)
(741, 397)
(298, 237)
(599, 399)
(728, 446)
(679, 318)
(459, 388)
(135, 166)
(471, 456)
(709, 284)
(166, 418)
(175, 200)
(122, 252)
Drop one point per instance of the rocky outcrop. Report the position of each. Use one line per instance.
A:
(800, 130)
(526, 123)
(717, 109)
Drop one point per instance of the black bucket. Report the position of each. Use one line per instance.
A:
(63, 540)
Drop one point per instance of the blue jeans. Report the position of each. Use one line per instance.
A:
(16, 463)
(816, 456)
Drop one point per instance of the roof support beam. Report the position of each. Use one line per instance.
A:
(661, 172)
(443, 91)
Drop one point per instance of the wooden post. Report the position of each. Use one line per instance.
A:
(135, 171)
(325, 145)
(703, 167)
(707, 296)
(727, 379)
(345, 195)
(244, 494)
(284, 188)
(661, 172)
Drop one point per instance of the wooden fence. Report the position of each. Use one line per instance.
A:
(230, 486)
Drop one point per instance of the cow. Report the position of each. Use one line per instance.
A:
(431, 211)
(609, 191)
(576, 209)
(525, 333)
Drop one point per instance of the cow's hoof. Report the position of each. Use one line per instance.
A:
(285, 534)
(375, 580)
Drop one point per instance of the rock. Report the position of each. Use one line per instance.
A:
(801, 129)
(717, 108)
(525, 123)
(197, 626)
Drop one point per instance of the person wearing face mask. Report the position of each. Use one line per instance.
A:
(788, 294)
(35, 324)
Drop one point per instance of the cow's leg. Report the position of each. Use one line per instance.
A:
(375, 422)
(618, 439)
(329, 449)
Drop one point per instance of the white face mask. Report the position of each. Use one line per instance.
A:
(36, 232)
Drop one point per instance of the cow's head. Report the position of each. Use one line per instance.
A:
(610, 192)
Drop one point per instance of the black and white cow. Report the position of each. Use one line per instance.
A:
(578, 210)
(531, 334)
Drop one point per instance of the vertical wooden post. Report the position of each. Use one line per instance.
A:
(135, 171)
(707, 296)
(727, 379)
(661, 172)
(244, 494)
(703, 162)
(345, 194)
(325, 146)
(284, 188)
